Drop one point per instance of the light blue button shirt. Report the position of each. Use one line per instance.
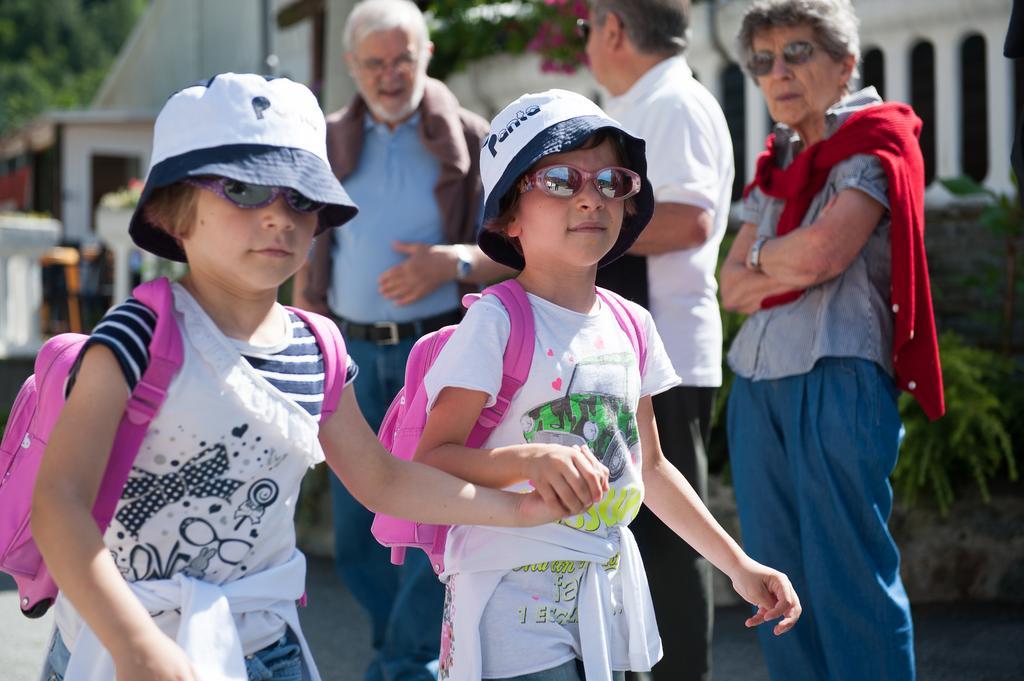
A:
(393, 185)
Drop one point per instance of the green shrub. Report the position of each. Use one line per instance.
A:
(973, 439)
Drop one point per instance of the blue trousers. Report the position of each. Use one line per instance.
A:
(811, 457)
(403, 602)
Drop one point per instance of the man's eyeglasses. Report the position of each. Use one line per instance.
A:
(246, 195)
(565, 181)
(402, 65)
(794, 54)
(583, 29)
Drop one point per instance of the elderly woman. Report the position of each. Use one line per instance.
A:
(830, 266)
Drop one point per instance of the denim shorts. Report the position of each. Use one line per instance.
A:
(280, 661)
(569, 671)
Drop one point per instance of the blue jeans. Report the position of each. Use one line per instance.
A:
(281, 661)
(569, 671)
(811, 457)
(403, 602)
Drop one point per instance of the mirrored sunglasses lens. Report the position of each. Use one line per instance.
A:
(561, 181)
(612, 183)
(798, 52)
(761, 63)
(302, 204)
(615, 183)
(245, 194)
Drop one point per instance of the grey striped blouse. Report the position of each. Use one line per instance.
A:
(848, 316)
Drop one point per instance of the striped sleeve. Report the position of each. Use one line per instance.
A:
(298, 370)
(126, 331)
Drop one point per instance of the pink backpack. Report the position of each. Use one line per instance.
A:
(38, 405)
(405, 419)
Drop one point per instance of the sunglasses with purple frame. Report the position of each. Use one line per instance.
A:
(248, 195)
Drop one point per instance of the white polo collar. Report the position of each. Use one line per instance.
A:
(651, 81)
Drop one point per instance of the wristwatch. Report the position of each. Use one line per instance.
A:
(464, 264)
(754, 257)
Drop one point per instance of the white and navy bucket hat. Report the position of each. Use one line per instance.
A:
(535, 126)
(246, 127)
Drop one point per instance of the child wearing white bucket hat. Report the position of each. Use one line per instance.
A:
(566, 193)
(197, 575)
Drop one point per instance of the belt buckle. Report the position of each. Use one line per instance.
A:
(392, 328)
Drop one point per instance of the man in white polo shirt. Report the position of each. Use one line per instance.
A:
(636, 51)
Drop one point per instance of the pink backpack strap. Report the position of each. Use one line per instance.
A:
(633, 327)
(332, 345)
(517, 359)
(165, 359)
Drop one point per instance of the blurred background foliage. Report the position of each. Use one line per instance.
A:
(467, 30)
(54, 55)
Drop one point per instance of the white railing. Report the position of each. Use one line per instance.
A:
(23, 241)
(112, 230)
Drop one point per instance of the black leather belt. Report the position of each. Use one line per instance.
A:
(391, 333)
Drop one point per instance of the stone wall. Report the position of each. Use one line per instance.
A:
(974, 554)
(967, 266)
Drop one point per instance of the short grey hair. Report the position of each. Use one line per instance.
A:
(373, 16)
(653, 26)
(833, 21)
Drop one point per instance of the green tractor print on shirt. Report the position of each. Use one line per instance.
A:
(595, 411)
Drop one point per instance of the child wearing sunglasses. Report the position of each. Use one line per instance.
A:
(197, 575)
(565, 193)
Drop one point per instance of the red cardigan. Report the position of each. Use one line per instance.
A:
(889, 132)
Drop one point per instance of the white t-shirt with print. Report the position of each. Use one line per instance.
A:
(213, 488)
(583, 388)
(689, 160)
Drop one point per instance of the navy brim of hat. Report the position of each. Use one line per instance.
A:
(259, 164)
(566, 136)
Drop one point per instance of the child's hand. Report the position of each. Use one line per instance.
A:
(771, 592)
(534, 510)
(155, 658)
(570, 477)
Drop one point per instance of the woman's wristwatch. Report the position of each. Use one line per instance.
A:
(754, 256)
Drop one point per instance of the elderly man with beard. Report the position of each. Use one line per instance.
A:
(408, 154)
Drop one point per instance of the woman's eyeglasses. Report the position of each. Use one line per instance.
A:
(794, 54)
(565, 181)
(246, 195)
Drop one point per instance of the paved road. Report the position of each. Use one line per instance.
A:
(957, 642)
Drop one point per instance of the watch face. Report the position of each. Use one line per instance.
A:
(463, 268)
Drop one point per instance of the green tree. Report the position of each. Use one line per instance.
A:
(54, 55)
